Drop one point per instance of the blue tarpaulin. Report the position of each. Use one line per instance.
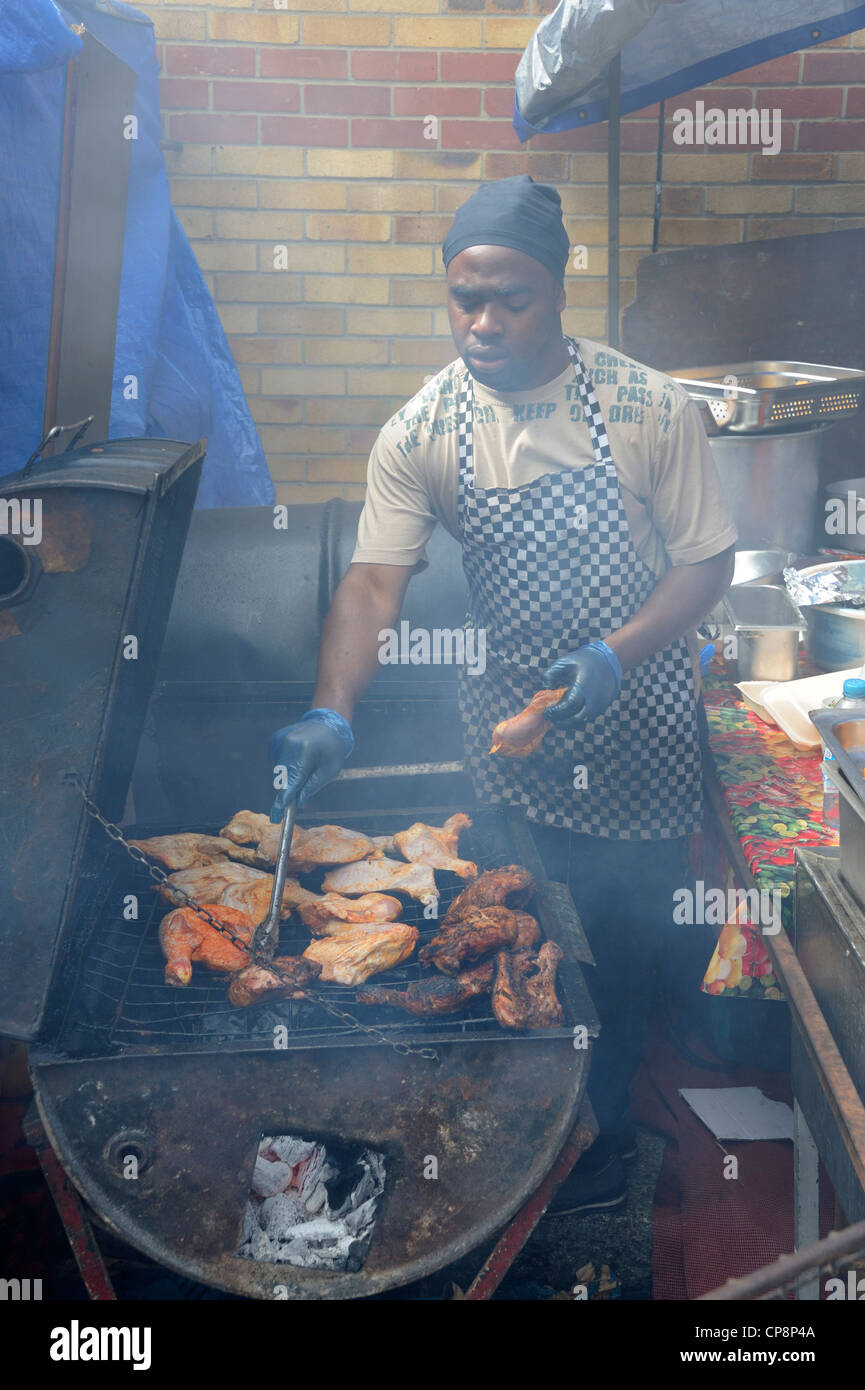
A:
(168, 331)
(666, 48)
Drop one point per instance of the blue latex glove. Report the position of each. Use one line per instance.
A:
(594, 674)
(312, 751)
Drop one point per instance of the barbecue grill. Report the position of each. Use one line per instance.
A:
(125, 1068)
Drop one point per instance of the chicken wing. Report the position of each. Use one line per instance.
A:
(184, 851)
(320, 844)
(482, 930)
(524, 993)
(285, 978)
(383, 875)
(185, 937)
(522, 733)
(512, 885)
(351, 957)
(321, 913)
(436, 845)
(435, 995)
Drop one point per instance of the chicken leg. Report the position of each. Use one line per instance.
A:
(520, 735)
(185, 937)
(436, 845)
(435, 995)
(524, 994)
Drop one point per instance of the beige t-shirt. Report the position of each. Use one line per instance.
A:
(664, 463)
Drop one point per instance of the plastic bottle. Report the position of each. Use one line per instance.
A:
(852, 697)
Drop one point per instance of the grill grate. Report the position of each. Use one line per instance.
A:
(123, 1000)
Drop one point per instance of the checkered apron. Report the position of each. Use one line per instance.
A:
(551, 566)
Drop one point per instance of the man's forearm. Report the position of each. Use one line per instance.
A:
(679, 601)
(367, 600)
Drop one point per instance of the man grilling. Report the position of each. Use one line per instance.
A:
(583, 490)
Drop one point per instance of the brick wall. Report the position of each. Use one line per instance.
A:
(305, 128)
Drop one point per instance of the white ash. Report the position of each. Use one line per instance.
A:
(289, 1217)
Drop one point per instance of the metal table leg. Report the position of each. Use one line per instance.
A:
(806, 1197)
(71, 1211)
(518, 1230)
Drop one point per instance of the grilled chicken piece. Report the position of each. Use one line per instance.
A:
(246, 827)
(436, 845)
(482, 930)
(186, 937)
(493, 889)
(522, 734)
(383, 844)
(372, 909)
(285, 978)
(528, 932)
(209, 881)
(320, 844)
(253, 898)
(524, 994)
(383, 876)
(322, 914)
(438, 994)
(354, 955)
(184, 851)
(335, 926)
(233, 885)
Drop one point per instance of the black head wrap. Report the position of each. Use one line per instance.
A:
(512, 212)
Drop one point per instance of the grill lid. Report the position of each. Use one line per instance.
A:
(90, 546)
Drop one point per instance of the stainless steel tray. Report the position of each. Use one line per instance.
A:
(766, 624)
(843, 732)
(753, 397)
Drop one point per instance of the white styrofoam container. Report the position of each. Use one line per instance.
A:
(788, 703)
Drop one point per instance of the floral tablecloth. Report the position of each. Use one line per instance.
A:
(774, 797)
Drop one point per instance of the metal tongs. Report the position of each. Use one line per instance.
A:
(265, 936)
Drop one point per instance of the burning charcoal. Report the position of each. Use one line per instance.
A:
(270, 1178)
(316, 1200)
(300, 1222)
(321, 1231)
(291, 1150)
(280, 1215)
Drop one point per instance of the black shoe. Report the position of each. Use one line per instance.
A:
(620, 1142)
(624, 1140)
(596, 1188)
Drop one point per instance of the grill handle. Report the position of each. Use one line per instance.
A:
(355, 774)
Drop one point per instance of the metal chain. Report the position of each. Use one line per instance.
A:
(160, 876)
